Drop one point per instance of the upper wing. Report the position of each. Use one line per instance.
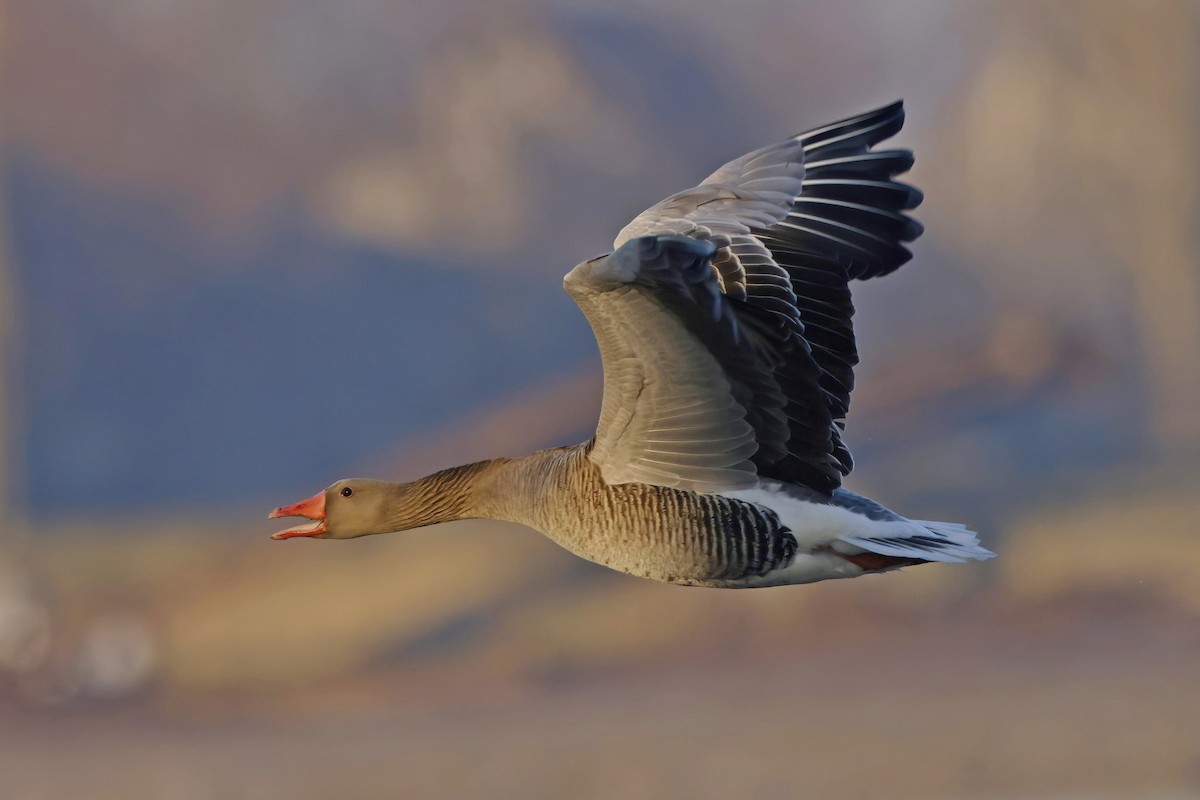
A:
(723, 316)
(669, 415)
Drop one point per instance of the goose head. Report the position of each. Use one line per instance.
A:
(349, 508)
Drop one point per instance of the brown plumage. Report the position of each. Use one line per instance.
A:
(723, 322)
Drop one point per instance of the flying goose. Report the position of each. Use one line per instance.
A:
(723, 320)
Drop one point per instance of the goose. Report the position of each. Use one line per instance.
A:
(723, 319)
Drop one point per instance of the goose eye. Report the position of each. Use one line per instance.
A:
(347, 491)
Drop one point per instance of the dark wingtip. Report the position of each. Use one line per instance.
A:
(915, 197)
(912, 230)
(892, 109)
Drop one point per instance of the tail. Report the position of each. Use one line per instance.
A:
(924, 540)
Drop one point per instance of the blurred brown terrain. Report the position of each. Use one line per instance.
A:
(1034, 372)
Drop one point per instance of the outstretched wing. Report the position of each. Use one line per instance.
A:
(723, 315)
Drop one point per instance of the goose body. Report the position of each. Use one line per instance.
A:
(723, 321)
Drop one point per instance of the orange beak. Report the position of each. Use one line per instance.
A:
(313, 508)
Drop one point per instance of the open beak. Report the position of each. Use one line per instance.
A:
(313, 508)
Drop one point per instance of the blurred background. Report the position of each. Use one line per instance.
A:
(248, 247)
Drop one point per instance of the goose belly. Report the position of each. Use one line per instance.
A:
(671, 535)
(815, 526)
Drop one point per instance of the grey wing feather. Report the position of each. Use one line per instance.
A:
(669, 415)
(754, 191)
(723, 316)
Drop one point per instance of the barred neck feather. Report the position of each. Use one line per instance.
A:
(444, 496)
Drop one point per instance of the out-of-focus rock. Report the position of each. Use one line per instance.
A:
(26, 631)
(117, 656)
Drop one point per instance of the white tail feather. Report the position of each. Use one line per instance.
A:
(948, 542)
